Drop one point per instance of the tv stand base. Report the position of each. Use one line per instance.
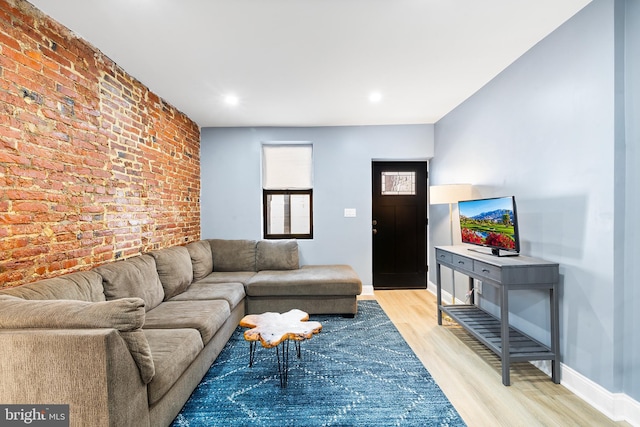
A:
(495, 252)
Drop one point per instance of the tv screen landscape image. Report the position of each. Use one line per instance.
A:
(491, 223)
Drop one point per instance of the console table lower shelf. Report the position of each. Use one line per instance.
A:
(486, 328)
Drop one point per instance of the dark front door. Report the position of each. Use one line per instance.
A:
(399, 225)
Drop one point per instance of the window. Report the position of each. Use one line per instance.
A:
(288, 214)
(287, 193)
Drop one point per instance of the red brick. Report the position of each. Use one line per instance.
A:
(30, 207)
(69, 263)
(15, 219)
(29, 252)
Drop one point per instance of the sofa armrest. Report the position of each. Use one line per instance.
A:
(126, 315)
(91, 370)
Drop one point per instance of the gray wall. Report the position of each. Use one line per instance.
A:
(630, 335)
(551, 131)
(231, 202)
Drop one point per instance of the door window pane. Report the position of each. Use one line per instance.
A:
(398, 183)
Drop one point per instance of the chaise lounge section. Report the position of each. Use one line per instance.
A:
(274, 280)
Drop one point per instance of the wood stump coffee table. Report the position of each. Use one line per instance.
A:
(276, 330)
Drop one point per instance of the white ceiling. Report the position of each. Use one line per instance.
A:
(313, 62)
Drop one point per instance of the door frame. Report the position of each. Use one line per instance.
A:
(421, 279)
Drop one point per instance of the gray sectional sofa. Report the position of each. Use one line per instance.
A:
(126, 343)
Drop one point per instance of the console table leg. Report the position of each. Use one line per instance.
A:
(438, 293)
(504, 335)
(555, 334)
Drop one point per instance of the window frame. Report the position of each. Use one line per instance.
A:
(265, 214)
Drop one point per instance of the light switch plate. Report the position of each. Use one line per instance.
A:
(349, 213)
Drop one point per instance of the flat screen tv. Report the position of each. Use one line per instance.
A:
(492, 223)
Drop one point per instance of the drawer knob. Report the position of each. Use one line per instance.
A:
(460, 262)
(484, 270)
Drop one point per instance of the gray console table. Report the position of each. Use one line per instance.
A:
(506, 274)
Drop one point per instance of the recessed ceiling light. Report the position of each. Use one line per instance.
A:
(231, 99)
(375, 97)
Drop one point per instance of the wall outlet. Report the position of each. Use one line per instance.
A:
(349, 212)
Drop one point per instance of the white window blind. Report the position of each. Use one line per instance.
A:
(287, 166)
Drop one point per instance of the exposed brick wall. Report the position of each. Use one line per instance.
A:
(93, 166)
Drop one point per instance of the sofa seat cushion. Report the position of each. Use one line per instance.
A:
(82, 286)
(132, 277)
(233, 293)
(233, 255)
(174, 269)
(307, 280)
(172, 350)
(228, 277)
(205, 316)
(201, 259)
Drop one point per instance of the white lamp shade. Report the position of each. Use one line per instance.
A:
(449, 193)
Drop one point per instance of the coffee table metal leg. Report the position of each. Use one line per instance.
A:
(283, 362)
(282, 353)
(252, 352)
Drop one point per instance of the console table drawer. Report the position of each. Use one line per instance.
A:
(487, 270)
(462, 262)
(443, 256)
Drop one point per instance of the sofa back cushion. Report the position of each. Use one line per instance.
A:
(174, 269)
(133, 277)
(201, 259)
(277, 255)
(82, 286)
(233, 255)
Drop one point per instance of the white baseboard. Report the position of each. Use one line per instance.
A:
(367, 290)
(616, 406)
(446, 296)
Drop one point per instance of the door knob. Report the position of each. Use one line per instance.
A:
(374, 222)
(375, 231)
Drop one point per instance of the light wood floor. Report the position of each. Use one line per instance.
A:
(470, 375)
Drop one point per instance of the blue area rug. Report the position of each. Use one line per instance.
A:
(356, 372)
